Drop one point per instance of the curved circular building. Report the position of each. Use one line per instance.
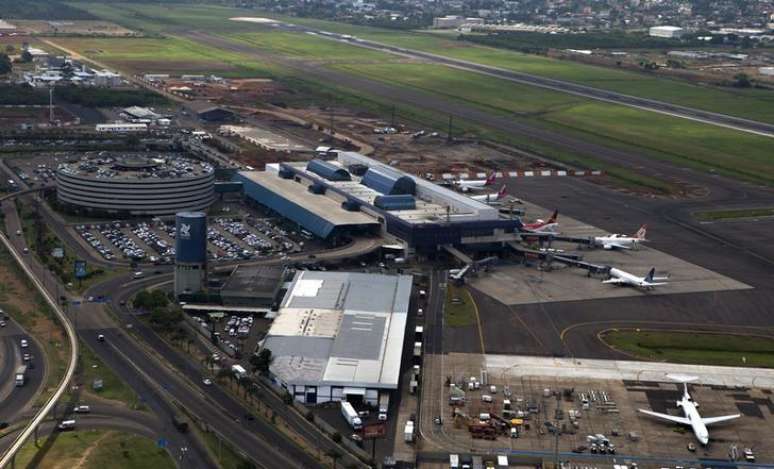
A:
(135, 185)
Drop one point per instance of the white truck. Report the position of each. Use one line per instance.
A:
(21, 375)
(384, 406)
(239, 371)
(408, 432)
(349, 414)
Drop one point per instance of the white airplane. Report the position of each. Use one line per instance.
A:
(466, 185)
(543, 226)
(692, 417)
(619, 241)
(648, 282)
(492, 199)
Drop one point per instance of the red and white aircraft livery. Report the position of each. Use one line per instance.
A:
(543, 226)
(466, 185)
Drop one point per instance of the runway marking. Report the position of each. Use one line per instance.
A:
(640, 321)
(478, 320)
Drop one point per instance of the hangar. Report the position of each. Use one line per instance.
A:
(339, 336)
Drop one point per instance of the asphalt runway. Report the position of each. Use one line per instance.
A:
(741, 250)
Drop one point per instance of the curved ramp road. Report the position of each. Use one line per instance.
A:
(21, 438)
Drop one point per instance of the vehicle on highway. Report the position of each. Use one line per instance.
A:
(207, 382)
(138, 274)
(20, 377)
(26, 357)
(690, 409)
(101, 337)
(2, 323)
(623, 278)
(180, 423)
(24, 343)
(66, 425)
(82, 409)
(18, 232)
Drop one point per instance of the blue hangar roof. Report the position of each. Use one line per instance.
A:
(318, 214)
(395, 202)
(388, 181)
(328, 170)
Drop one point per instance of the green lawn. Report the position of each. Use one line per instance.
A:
(683, 142)
(716, 215)
(92, 367)
(750, 103)
(170, 54)
(97, 449)
(459, 314)
(308, 47)
(695, 348)
(225, 455)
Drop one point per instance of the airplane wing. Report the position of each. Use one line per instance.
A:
(711, 420)
(671, 418)
(655, 284)
(610, 246)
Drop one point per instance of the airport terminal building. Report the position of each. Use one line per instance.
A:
(357, 194)
(339, 336)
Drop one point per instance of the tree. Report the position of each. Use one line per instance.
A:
(742, 80)
(261, 361)
(334, 454)
(5, 64)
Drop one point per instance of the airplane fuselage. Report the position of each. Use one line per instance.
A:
(697, 425)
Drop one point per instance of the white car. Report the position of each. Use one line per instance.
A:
(207, 382)
(24, 343)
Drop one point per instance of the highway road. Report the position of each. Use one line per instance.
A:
(16, 400)
(561, 86)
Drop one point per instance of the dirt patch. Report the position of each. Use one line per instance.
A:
(80, 27)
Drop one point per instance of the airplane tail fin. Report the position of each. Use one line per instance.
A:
(491, 178)
(651, 274)
(502, 192)
(554, 216)
(640, 235)
(684, 379)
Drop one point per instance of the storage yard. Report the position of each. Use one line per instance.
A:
(527, 413)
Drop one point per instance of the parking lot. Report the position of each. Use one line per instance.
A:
(238, 336)
(154, 242)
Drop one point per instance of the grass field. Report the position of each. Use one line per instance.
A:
(681, 141)
(695, 348)
(716, 215)
(97, 449)
(171, 54)
(460, 313)
(750, 103)
(92, 367)
(308, 46)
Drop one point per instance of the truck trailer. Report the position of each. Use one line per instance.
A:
(349, 414)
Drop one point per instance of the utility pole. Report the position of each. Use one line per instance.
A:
(51, 103)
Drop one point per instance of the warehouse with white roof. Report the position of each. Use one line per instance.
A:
(339, 336)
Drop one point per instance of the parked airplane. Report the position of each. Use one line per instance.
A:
(648, 282)
(466, 185)
(540, 226)
(692, 417)
(619, 241)
(492, 199)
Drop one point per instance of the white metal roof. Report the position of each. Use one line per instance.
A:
(341, 328)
